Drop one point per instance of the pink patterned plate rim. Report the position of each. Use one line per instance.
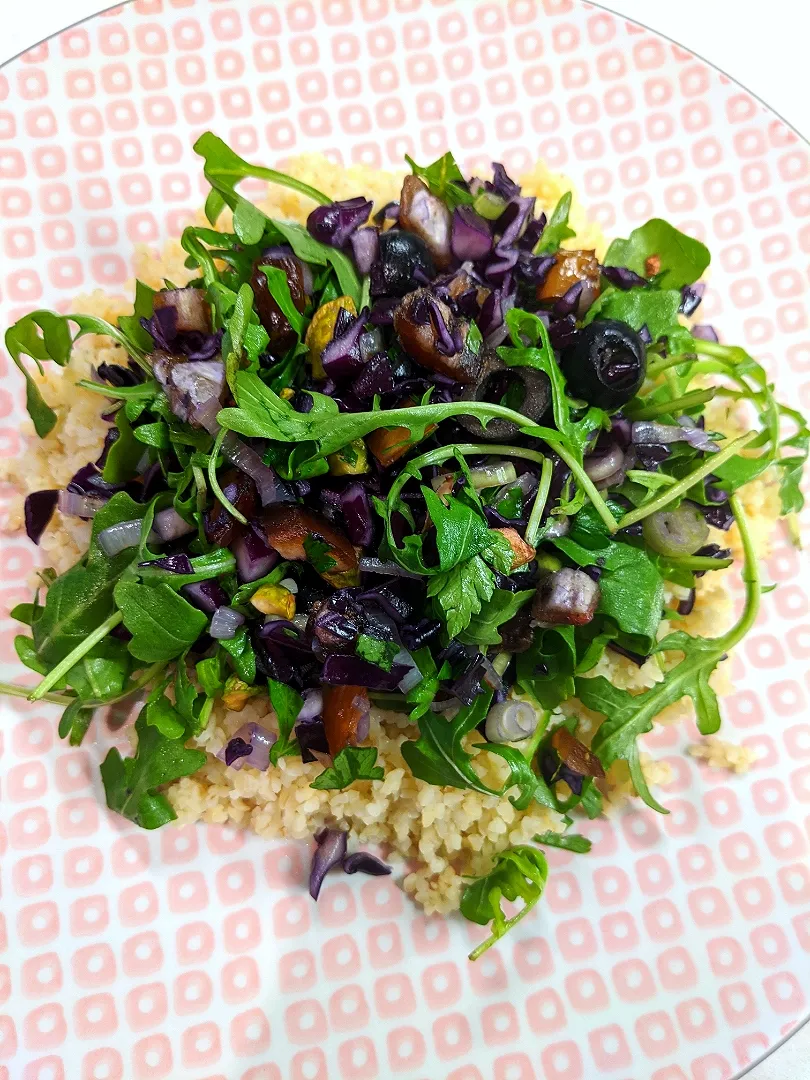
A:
(680, 948)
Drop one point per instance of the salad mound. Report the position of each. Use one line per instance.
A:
(392, 504)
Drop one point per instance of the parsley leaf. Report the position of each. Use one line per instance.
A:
(557, 228)
(445, 179)
(579, 844)
(377, 652)
(287, 704)
(462, 592)
(130, 783)
(421, 695)
(682, 258)
(318, 554)
(349, 764)
(519, 872)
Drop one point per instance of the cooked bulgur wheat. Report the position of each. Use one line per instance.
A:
(444, 834)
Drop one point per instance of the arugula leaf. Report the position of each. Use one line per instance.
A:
(242, 653)
(318, 554)
(519, 872)
(215, 563)
(124, 454)
(421, 695)
(377, 652)
(161, 714)
(682, 258)
(439, 758)
(130, 783)
(579, 844)
(309, 249)
(237, 343)
(657, 309)
(287, 704)
(349, 764)
(499, 609)
(461, 530)
(209, 675)
(279, 288)
(144, 308)
(44, 335)
(445, 180)
(545, 672)
(557, 228)
(248, 222)
(161, 622)
(628, 716)
(74, 722)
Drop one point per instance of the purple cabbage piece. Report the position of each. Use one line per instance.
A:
(711, 551)
(448, 340)
(365, 863)
(376, 377)
(650, 457)
(254, 556)
(533, 269)
(390, 212)
(286, 635)
(341, 357)
(513, 222)
(471, 237)
(39, 508)
(719, 516)
(623, 278)
(502, 184)
(334, 224)
(205, 595)
(352, 671)
(382, 312)
(194, 344)
(175, 564)
(330, 852)
(637, 658)
(414, 636)
(533, 234)
(703, 332)
(365, 248)
(117, 375)
(89, 481)
(356, 507)
(311, 735)
(553, 770)
(568, 303)
(235, 749)
(112, 435)
(491, 320)
(691, 297)
(562, 332)
(387, 598)
(685, 607)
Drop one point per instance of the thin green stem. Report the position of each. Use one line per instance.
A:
(751, 579)
(273, 177)
(507, 926)
(11, 690)
(128, 393)
(212, 478)
(63, 667)
(533, 526)
(685, 401)
(587, 486)
(697, 562)
(661, 479)
(658, 366)
(530, 749)
(669, 494)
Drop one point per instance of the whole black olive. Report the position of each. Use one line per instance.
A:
(606, 364)
(401, 253)
(524, 389)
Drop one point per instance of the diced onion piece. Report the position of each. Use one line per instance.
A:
(71, 504)
(117, 538)
(259, 739)
(224, 623)
(170, 526)
(413, 676)
(511, 721)
(494, 475)
(271, 490)
(312, 707)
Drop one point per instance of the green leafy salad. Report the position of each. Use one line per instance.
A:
(418, 456)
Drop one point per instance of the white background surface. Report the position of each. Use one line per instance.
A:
(764, 46)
